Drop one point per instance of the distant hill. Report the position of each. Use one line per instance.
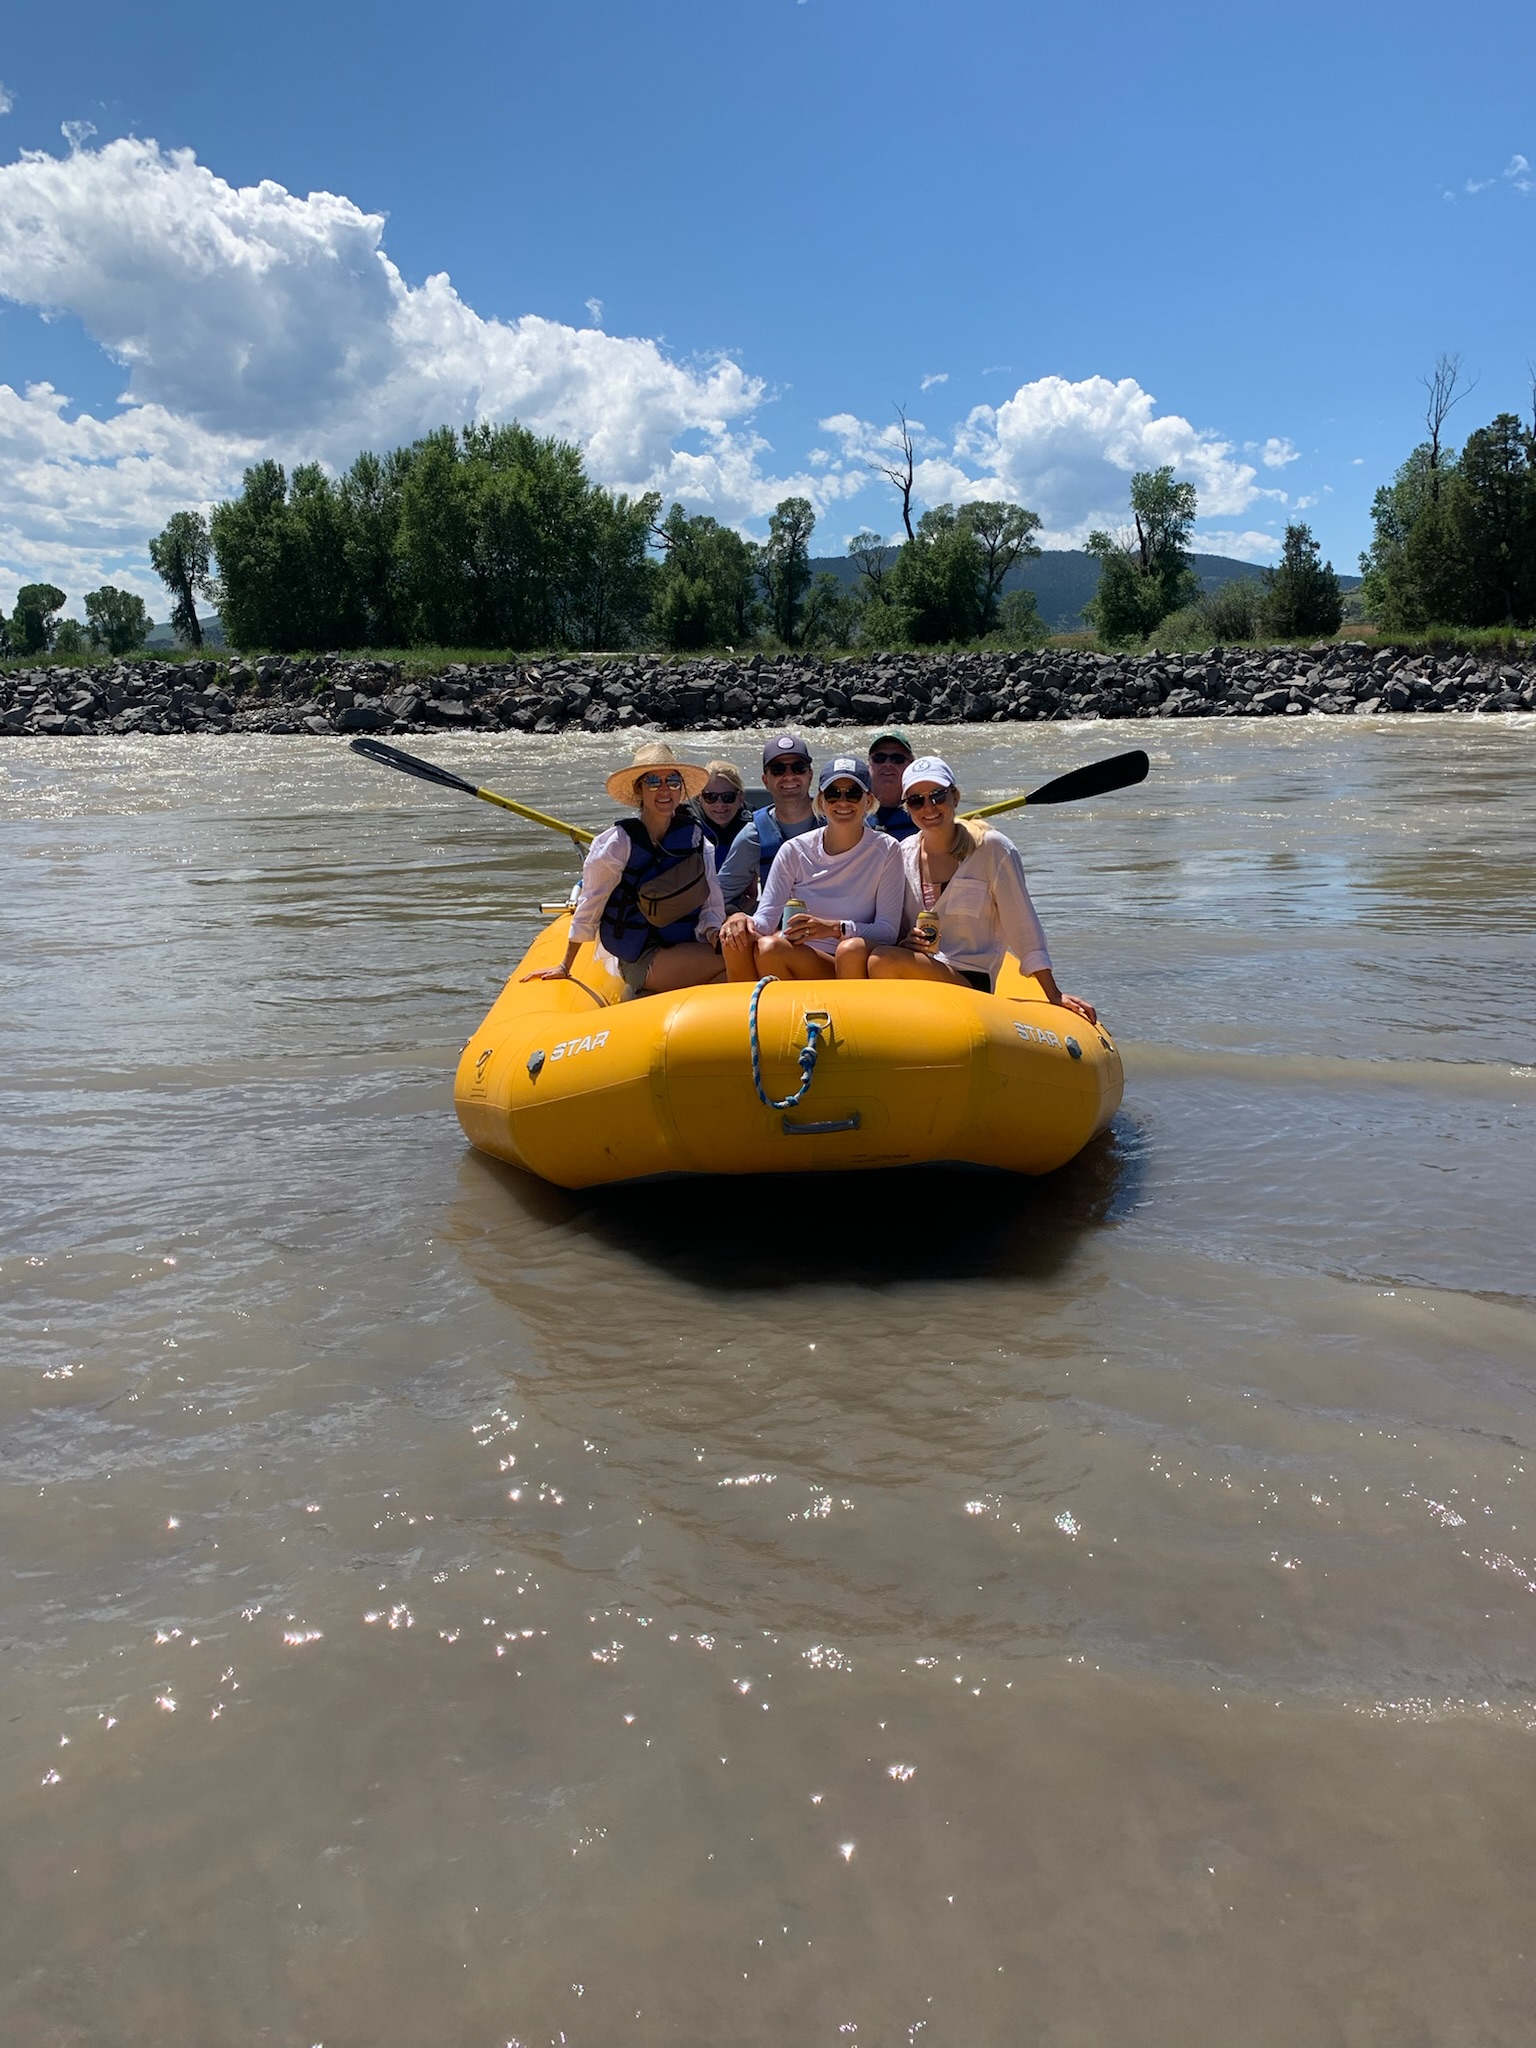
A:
(213, 633)
(1064, 579)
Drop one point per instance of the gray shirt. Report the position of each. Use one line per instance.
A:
(739, 870)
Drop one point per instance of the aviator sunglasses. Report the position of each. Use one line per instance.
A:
(672, 781)
(919, 797)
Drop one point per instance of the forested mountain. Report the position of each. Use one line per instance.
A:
(1064, 579)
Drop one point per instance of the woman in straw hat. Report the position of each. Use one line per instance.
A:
(649, 894)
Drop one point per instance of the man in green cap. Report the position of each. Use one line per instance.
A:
(889, 757)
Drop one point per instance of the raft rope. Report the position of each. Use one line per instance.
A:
(814, 1028)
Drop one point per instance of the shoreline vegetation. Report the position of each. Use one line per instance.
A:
(491, 537)
(429, 692)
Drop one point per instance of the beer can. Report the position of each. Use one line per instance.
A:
(926, 926)
(793, 908)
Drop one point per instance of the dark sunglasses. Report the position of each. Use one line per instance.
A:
(890, 760)
(920, 797)
(842, 793)
(673, 781)
(721, 796)
(788, 768)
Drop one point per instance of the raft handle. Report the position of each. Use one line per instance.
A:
(846, 1123)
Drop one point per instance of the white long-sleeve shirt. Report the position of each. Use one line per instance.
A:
(984, 909)
(607, 857)
(863, 888)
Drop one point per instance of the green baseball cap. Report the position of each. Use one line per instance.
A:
(899, 737)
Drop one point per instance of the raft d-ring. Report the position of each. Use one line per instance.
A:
(1074, 1048)
(535, 1061)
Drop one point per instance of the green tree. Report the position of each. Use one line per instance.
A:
(1302, 598)
(1415, 571)
(116, 619)
(258, 566)
(784, 566)
(935, 585)
(706, 594)
(69, 640)
(873, 557)
(1496, 514)
(1004, 534)
(1019, 619)
(180, 558)
(1148, 574)
(32, 622)
(370, 509)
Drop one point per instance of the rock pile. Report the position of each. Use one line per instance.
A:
(320, 694)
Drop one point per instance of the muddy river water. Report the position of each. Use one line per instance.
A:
(439, 1611)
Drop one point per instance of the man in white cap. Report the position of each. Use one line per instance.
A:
(787, 776)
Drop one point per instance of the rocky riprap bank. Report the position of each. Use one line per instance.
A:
(279, 694)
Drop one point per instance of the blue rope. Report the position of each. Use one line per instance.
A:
(814, 1027)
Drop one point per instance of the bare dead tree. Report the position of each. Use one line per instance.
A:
(1445, 388)
(1530, 371)
(900, 474)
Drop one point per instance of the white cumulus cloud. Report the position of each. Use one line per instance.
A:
(7, 98)
(252, 321)
(1067, 450)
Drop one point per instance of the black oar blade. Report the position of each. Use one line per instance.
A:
(412, 764)
(1120, 771)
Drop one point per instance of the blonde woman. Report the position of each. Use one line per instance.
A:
(721, 806)
(848, 880)
(973, 879)
(649, 891)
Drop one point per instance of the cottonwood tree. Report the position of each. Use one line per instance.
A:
(32, 622)
(1004, 534)
(180, 558)
(1146, 574)
(784, 566)
(117, 620)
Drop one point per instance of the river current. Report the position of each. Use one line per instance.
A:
(440, 1611)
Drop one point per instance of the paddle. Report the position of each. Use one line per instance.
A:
(428, 771)
(1119, 771)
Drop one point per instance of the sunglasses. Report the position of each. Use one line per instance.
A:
(673, 781)
(788, 768)
(720, 796)
(843, 793)
(919, 797)
(890, 760)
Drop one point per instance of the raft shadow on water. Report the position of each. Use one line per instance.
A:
(878, 1229)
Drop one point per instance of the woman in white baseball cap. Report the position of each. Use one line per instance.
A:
(972, 879)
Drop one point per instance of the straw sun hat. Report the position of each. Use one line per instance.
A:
(623, 783)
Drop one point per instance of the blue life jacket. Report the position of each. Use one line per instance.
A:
(626, 930)
(895, 820)
(770, 837)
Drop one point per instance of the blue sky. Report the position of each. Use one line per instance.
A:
(717, 243)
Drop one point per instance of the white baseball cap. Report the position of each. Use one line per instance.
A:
(927, 768)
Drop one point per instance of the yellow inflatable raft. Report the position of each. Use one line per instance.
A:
(567, 1082)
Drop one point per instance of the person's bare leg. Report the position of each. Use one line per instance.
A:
(740, 960)
(900, 963)
(776, 955)
(683, 967)
(853, 959)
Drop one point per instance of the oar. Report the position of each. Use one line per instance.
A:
(412, 764)
(1119, 771)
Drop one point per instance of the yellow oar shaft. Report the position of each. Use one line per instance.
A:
(576, 832)
(1009, 803)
